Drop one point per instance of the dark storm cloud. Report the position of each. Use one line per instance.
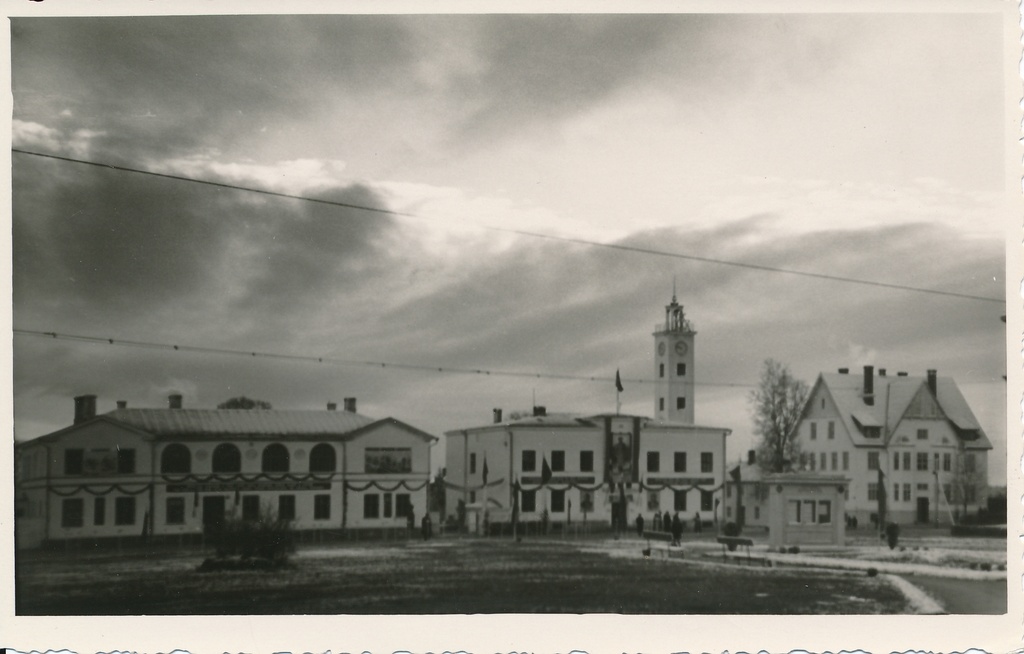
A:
(93, 246)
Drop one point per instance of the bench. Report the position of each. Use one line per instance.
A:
(662, 536)
(732, 542)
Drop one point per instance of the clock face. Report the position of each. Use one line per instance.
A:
(661, 348)
(681, 348)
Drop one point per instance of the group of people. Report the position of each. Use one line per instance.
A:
(670, 523)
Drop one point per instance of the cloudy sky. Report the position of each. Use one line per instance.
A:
(858, 146)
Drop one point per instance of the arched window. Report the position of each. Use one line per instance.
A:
(275, 458)
(176, 458)
(227, 458)
(322, 458)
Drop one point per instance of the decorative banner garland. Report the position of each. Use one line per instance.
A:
(453, 486)
(259, 476)
(88, 489)
(380, 486)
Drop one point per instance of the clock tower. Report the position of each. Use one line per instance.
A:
(673, 366)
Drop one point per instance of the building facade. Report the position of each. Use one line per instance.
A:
(180, 472)
(911, 442)
(603, 468)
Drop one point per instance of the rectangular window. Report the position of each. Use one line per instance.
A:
(757, 513)
(895, 492)
(653, 462)
(831, 429)
(286, 507)
(321, 507)
(679, 461)
(835, 460)
(72, 512)
(472, 463)
(705, 500)
(896, 461)
(680, 403)
(653, 500)
(388, 460)
(814, 431)
(947, 462)
(808, 513)
(824, 461)
(403, 504)
(529, 460)
(586, 501)
(679, 500)
(793, 511)
(812, 461)
(388, 505)
(472, 497)
(661, 404)
(557, 460)
(846, 460)
(371, 506)
(906, 492)
(529, 501)
(73, 459)
(125, 462)
(680, 370)
(922, 434)
(922, 460)
(906, 460)
(587, 461)
(124, 511)
(707, 461)
(935, 461)
(251, 508)
(872, 460)
(557, 501)
(824, 512)
(175, 511)
(922, 488)
(99, 510)
(661, 370)
(872, 491)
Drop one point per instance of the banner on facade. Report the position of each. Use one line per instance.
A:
(248, 486)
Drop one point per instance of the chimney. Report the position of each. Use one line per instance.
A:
(332, 406)
(497, 416)
(881, 372)
(901, 373)
(85, 408)
(121, 404)
(174, 401)
(350, 404)
(751, 457)
(869, 385)
(540, 411)
(933, 382)
(844, 371)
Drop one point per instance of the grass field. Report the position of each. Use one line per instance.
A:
(441, 576)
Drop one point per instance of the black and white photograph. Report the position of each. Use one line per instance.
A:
(659, 318)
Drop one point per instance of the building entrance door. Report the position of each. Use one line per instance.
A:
(922, 509)
(213, 512)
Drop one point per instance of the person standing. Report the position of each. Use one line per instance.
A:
(677, 530)
(666, 523)
(657, 521)
(426, 527)
(697, 526)
(640, 525)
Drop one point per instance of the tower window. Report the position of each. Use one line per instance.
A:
(680, 369)
(661, 404)
(661, 369)
(680, 403)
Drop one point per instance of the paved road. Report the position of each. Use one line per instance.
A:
(961, 596)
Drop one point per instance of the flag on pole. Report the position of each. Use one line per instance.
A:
(545, 471)
(485, 471)
(618, 381)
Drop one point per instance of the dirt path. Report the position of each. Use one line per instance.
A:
(962, 596)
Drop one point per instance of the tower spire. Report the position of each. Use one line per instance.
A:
(673, 289)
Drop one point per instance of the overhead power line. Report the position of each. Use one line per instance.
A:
(196, 349)
(520, 232)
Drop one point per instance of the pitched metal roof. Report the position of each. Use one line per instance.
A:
(896, 395)
(256, 423)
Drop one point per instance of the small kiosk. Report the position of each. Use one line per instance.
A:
(806, 509)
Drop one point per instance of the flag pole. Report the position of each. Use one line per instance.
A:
(618, 390)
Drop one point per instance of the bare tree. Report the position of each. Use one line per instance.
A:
(966, 480)
(776, 404)
(243, 402)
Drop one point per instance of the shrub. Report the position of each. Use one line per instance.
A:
(732, 530)
(794, 550)
(986, 567)
(892, 534)
(872, 572)
(266, 538)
